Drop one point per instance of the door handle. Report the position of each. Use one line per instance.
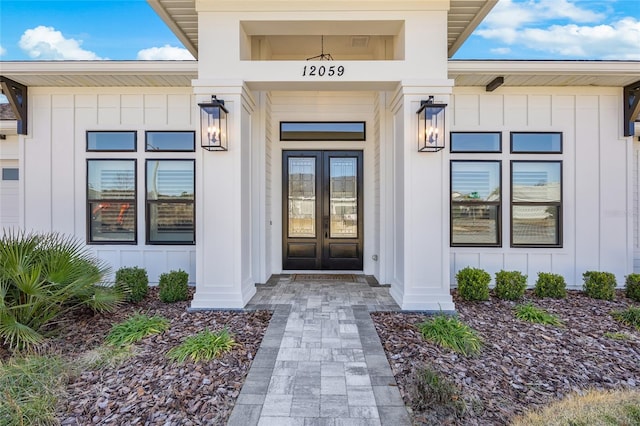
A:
(326, 226)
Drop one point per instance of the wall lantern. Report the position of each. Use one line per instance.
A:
(431, 126)
(213, 125)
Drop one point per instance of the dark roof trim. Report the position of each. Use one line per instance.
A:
(16, 93)
(631, 107)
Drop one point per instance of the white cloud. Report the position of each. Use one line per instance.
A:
(3, 51)
(48, 43)
(165, 53)
(501, 50)
(565, 31)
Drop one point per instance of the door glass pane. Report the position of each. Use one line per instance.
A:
(343, 197)
(302, 197)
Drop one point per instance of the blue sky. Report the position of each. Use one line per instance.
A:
(130, 29)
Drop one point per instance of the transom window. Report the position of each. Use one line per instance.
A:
(322, 131)
(112, 141)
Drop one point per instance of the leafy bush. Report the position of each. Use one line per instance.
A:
(174, 286)
(473, 283)
(620, 407)
(629, 316)
(529, 312)
(30, 387)
(205, 345)
(510, 285)
(134, 282)
(450, 332)
(429, 390)
(136, 328)
(599, 285)
(632, 287)
(43, 276)
(550, 285)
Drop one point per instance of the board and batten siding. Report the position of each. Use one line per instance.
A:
(55, 163)
(636, 206)
(596, 191)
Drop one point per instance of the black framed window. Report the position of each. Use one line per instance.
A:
(10, 173)
(536, 203)
(476, 195)
(536, 142)
(170, 141)
(111, 201)
(476, 142)
(112, 141)
(323, 131)
(170, 201)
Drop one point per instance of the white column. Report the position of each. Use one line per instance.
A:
(421, 206)
(224, 206)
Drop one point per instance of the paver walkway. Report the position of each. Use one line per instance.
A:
(320, 361)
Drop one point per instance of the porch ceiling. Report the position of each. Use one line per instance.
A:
(181, 17)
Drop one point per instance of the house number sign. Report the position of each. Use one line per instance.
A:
(322, 71)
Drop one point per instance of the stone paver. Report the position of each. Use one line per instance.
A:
(321, 361)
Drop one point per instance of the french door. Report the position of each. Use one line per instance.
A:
(322, 210)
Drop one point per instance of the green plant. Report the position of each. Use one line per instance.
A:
(449, 332)
(529, 312)
(136, 328)
(510, 285)
(174, 286)
(43, 276)
(29, 389)
(550, 285)
(134, 282)
(105, 356)
(205, 345)
(473, 283)
(629, 316)
(618, 335)
(599, 285)
(621, 407)
(429, 390)
(632, 287)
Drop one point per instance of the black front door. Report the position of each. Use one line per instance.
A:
(322, 210)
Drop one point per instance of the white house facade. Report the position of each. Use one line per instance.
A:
(327, 165)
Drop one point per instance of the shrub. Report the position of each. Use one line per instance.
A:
(136, 328)
(205, 345)
(632, 287)
(134, 282)
(620, 407)
(30, 387)
(599, 285)
(450, 332)
(429, 390)
(174, 286)
(528, 312)
(43, 276)
(550, 285)
(629, 316)
(510, 285)
(473, 283)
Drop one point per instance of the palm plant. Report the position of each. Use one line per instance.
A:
(43, 276)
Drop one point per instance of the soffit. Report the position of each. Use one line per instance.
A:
(181, 17)
(545, 73)
(101, 73)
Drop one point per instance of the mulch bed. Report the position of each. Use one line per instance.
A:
(148, 388)
(522, 365)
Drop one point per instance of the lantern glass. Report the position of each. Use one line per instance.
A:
(213, 125)
(431, 126)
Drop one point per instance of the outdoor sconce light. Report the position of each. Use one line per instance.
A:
(431, 126)
(213, 125)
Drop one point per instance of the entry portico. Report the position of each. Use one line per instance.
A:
(240, 193)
